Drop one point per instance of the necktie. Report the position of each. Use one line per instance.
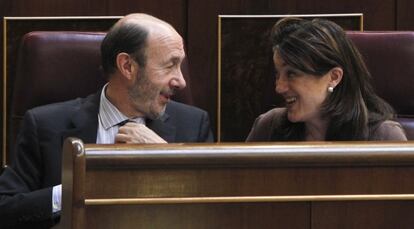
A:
(124, 122)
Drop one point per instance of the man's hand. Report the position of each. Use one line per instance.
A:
(133, 132)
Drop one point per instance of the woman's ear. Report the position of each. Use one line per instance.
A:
(126, 65)
(335, 76)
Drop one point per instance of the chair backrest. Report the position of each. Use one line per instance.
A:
(390, 59)
(58, 66)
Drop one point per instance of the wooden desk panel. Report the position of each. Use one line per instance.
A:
(363, 214)
(297, 185)
(195, 182)
(201, 216)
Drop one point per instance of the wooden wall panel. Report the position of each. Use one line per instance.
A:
(57, 8)
(4, 7)
(405, 15)
(202, 50)
(172, 11)
(377, 15)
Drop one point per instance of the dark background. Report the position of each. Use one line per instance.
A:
(197, 22)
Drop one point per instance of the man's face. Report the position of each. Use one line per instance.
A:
(157, 81)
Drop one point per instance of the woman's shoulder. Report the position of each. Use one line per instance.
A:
(389, 130)
(265, 123)
(272, 114)
(271, 117)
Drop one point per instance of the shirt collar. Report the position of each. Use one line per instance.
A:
(110, 115)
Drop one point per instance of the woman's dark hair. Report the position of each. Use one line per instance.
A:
(315, 47)
(125, 37)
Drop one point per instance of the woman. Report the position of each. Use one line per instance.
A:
(326, 87)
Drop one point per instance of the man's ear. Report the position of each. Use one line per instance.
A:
(126, 65)
(335, 76)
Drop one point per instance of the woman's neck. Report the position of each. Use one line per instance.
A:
(316, 130)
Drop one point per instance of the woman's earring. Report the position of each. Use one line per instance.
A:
(330, 89)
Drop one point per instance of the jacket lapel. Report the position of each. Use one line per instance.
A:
(163, 128)
(85, 121)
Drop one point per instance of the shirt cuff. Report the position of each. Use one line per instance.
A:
(56, 198)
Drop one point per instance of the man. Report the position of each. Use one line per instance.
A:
(141, 56)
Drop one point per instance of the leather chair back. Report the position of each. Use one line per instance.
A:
(390, 59)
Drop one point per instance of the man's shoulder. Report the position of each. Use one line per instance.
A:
(64, 106)
(57, 106)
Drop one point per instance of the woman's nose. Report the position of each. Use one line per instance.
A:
(281, 85)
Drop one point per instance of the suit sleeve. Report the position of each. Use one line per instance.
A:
(205, 130)
(23, 200)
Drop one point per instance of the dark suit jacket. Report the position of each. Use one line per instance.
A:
(26, 185)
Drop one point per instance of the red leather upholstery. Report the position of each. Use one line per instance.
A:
(58, 66)
(390, 59)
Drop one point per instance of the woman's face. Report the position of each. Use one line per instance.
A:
(303, 93)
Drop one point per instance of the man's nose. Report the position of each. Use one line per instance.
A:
(178, 82)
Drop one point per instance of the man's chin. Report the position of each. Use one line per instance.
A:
(156, 113)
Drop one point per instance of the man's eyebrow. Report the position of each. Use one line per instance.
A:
(175, 59)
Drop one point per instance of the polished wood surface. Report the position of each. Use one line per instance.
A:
(363, 214)
(73, 178)
(202, 216)
(297, 185)
(405, 19)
